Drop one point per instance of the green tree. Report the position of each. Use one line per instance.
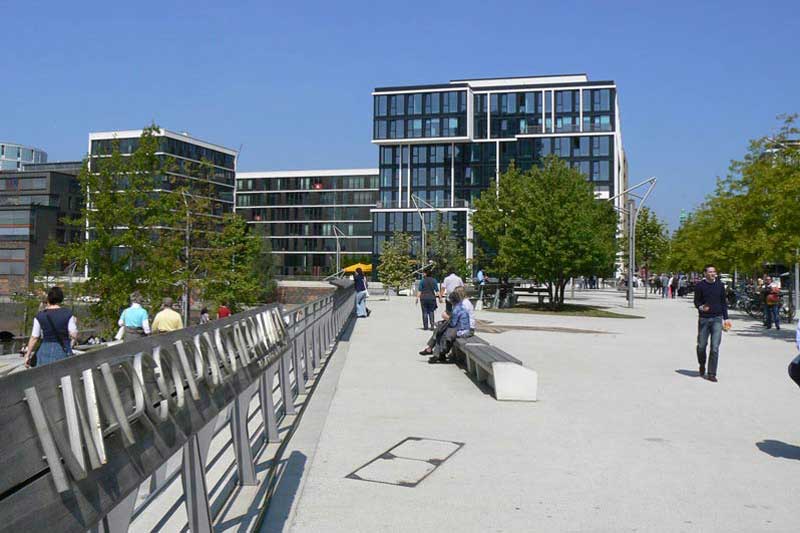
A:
(231, 276)
(396, 264)
(652, 240)
(545, 224)
(132, 245)
(446, 251)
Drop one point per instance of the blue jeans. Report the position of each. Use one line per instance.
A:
(361, 303)
(706, 327)
(428, 309)
(771, 314)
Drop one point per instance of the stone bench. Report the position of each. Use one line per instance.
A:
(501, 371)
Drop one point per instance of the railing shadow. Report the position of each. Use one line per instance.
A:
(290, 474)
(779, 449)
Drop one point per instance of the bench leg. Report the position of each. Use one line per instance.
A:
(480, 375)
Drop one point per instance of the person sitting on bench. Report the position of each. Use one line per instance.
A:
(446, 332)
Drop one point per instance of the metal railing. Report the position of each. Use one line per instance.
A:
(81, 436)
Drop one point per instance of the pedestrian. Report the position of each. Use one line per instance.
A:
(427, 291)
(361, 294)
(167, 319)
(664, 285)
(223, 311)
(448, 286)
(446, 332)
(204, 316)
(771, 299)
(135, 319)
(709, 299)
(57, 329)
(673, 286)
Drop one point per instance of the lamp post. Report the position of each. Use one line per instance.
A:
(417, 201)
(338, 233)
(633, 213)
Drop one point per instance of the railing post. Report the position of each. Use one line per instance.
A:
(299, 381)
(241, 437)
(306, 356)
(286, 385)
(266, 381)
(193, 478)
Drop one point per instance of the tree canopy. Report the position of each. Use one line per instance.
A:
(545, 224)
(396, 263)
(446, 251)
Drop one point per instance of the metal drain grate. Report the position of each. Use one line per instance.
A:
(408, 462)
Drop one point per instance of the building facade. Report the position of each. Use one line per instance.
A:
(15, 156)
(33, 206)
(441, 145)
(304, 213)
(207, 169)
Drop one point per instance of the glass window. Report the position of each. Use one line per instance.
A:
(548, 101)
(27, 154)
(450, 127)
(546, 146)
(415, 128)
(414, 104)
(600, 145)
(580, 146)
(396, 129)
(510, 103)
(432, 127)
(530, 103)
(397, 104)
(431, 103)
(380, 129)
(450, 102)
(380, 105)
(494, 104)
(12, 152)
(561, 146)
(583, 168)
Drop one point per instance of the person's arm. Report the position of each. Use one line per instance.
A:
(724, 304)
(698, 297)
(146, 325)
(72, 328)
(35, 334)
(121, 321)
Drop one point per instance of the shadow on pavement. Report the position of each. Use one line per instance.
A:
(776, 448)
(756, 329)
(285, 493)
(688, 373)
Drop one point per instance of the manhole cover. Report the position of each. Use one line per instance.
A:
(408, 462)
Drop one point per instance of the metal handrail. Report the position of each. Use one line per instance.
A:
(109, 420)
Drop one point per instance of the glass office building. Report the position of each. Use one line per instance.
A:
(33, 206)
(206, 168)
(305, 212)
(441, 145)
(15, 156)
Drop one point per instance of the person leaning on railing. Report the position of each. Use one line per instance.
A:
(135, 319)
(56, 327)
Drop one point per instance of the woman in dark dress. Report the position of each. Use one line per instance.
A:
(56, 327)
(428, 289)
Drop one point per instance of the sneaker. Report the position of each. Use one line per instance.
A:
(433, 360)
(712, 378)
(426, 351)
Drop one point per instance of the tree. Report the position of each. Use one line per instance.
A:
(396, 266)
(652, 240)
(545, 224)
(751, 218)
(231, 276)
(446, 252)
(132, 246)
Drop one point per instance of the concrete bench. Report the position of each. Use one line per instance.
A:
(500, 370)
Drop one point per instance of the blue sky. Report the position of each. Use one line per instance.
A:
(290, 83)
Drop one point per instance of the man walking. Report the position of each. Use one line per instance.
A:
(449, 284)
(709, 299)
(167, 319)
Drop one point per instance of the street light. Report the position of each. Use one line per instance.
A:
(633, 213)
(338, 233)
(417, 200)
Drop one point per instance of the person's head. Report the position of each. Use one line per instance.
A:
(167, 303)
(428, 274)
(767, 279)
(224, 303)
(204, 311)
(710, 272)
(136, 297)
(55, 296)
(359, 271)
(462, 294)
(454, 298)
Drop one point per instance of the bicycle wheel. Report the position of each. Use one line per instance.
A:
(755, 310)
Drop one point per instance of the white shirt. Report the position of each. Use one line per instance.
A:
(72, 327)
(471, 312)
(451, 282)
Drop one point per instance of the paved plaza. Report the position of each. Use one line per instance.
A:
(624, 436)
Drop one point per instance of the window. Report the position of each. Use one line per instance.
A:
(431, 103)
(531, 103)
(415, 128)
(510, 103)
(450, 102)
(600, 146)
(563, 101)
(13, 253)
(580, 146)
(494, 104)
(414, 104)
(397, 104)
(12, 152)
(583, 167)
(380, 129)
(450, 127)
(432, 127)
(380, 105)
(548, 101)
(396, 129)
(561, 146)
(600, 170)
(386, 155)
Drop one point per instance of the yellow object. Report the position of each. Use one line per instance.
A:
(352, 268)
(167, 320)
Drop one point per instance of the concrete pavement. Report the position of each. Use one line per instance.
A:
(624, 437)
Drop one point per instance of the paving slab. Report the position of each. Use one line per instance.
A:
(624, 436)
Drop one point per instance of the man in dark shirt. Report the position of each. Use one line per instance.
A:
(709, 299)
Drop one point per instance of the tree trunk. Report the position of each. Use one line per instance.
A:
(550, 298)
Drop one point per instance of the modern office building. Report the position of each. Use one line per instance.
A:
(15, 156)
(33, 206)
(202, 166)
(441, 145)
(305, 213)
